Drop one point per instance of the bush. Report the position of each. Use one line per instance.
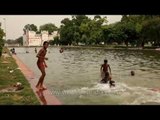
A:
(0, 51)
(1, 46)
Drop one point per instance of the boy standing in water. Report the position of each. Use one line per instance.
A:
(105, 73)
(104, 68)
(42, 64)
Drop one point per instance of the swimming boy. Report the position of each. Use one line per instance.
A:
(61, 50)
(35, 50)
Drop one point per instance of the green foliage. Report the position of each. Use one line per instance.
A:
(48, 27)
(19, 40)
(132, 30)
(2, 34)
(151, 31)
(31, 27)
(81, 29)
(55, 41)
(16, 41)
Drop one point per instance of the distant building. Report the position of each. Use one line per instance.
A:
(30, 38)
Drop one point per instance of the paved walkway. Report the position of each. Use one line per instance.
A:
(45, 97)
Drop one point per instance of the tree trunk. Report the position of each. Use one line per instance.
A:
(126, 42)
(142, 45)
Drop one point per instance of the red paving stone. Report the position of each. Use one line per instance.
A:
(45, 97)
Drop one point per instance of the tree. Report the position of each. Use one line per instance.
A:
(10, 41)
(16, 41)
(2, 34)
(85, 39)
(66, 21)
(140, 29)
(66, 34)
(79, 19)
(130, 26)
(76, 38)
(31, 27)
(48, 27)
(68, 31)
(82, 29)
(55, 41)
(151, 31)
(19, 40)
(97, 17)
(93, 29)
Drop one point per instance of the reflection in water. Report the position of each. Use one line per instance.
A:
(41, 96)
(79, 69)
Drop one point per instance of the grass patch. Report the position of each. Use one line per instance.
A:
(25, 96)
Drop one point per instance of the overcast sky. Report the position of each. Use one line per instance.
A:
(15, 23)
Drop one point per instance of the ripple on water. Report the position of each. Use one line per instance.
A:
(78, 70)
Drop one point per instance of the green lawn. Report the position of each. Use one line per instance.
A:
(7, 79)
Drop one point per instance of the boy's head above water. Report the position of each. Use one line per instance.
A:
(105, 61)
(132, 73)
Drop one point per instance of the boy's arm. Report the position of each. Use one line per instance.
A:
(39, 53)
(101, 67)
(109, 69)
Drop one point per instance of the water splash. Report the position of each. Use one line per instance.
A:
(130, 95)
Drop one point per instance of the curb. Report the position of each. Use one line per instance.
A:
(45, 97)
